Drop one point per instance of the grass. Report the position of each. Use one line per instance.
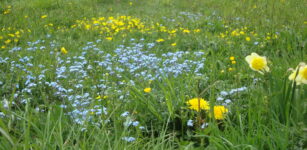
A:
(93, 97)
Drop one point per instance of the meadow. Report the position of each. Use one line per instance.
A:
(153, 74)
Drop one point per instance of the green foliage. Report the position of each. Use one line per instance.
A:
(269, 114)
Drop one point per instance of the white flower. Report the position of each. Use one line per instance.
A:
(190, 123)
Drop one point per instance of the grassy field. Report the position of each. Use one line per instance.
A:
(153, 74)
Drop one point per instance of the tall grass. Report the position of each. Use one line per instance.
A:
(270, 114)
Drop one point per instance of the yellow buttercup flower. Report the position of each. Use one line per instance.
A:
(44, 16)
(174, 44)
(63, 50)
(196, 30)
(7, 41)
(109, 38)
(219, 112)
(300, 76)
(186, 31)
(231, 58)
(147, 90)
(257, 63)
(160, 40)
(198, 104)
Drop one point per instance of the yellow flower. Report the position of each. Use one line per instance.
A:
(160, 40)
(44, 16)
(174, 44)
(147, 90)
(186, 31)
(104, 97)
(196, 30)
(6, 11)
(198, 104)
(3, 47)
(233, 62)
(248, 38)
(232, 58)
(257, 63)
(63, 50)
(230, 69)
(7, 41)
(300, 76)
(109, 38)
(219, 112)
(11, 35)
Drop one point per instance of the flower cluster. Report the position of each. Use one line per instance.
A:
(10, 36)
(199, 104)
(259, 64)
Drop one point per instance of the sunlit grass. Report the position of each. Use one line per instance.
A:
(155, 74)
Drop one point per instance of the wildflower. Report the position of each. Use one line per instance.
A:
(160, 40)
(186, 31)
(247, 38)
(109, 38)
(125, 114)
(232, 58)
(300, 76)
(257, 63)
(224, 93)
(7, 41)
(204, 125)
(11, 35)
(230, 69)
(174, 44)
(196, 30)
(6, 11)
(219, 112)
(198, 104)
(233, 62)
(44, 16)
(63, 50)
(128, 139)
(135, 123)
(219, 98)
(147, 90)
(190, 123)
